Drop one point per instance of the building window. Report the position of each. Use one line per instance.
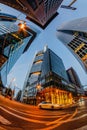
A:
(33, 4)
(36, 73)
(39, 61)
(40, 1)
(39, 54)
(85, 35)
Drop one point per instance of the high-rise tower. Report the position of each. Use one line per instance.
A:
(47, 80)
(74, 79)
(13, 42)
(74, 36)
(39, 11)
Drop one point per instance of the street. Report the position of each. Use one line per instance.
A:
(18, 116)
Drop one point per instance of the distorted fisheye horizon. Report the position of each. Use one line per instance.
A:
(48, 37)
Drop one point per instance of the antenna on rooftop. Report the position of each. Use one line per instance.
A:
(69, 6)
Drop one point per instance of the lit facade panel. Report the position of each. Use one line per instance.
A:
(38, 62)
(74, 36)
(57, 96)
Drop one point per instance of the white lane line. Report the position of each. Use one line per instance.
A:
(56, 121)
(33, 114)
(70, 119)
(48, 112)
(77, 118)
(4, 121)
(1, 128)
(23, 118)
(60, 122)
(82, 128)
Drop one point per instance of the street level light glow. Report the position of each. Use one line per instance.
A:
(22, 25)
(38, 87)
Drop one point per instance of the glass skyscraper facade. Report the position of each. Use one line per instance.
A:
(13, 42)
(47, 80)
(40, 12)
(74, 79)
(74, 36)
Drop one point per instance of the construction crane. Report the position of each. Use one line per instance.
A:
(69, 6)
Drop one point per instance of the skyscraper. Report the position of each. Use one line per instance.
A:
(13, 42)
(74, 79)
(74, 36)
(39, 11)
(47, 80)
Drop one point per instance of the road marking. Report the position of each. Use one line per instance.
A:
(60, 122)
(48, 114)
(23, 118)
(1, 128)
(82, 128)
(33, 114)
(79, 117)
(4, 121)
(56, 121)
(68, 120)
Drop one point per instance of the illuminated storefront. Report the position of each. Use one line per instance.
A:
(56, 96)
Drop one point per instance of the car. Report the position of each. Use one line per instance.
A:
(48, 105)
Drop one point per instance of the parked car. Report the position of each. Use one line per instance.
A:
(48, 105)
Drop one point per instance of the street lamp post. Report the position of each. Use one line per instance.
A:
(13, 91)
(9, 89)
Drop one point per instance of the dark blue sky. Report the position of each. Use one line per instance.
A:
(48, 37)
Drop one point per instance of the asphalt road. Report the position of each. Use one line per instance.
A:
(18, 116)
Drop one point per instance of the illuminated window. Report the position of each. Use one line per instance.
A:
(37, 62)
(39, 54)
(84, 58)
(36, 73)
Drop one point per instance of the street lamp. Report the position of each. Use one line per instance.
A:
(13, 91)
(12, 80)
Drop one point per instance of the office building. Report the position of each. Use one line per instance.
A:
(74, 36)
(74, 79)
(13, 42)
(39, 11)
(47, 80)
